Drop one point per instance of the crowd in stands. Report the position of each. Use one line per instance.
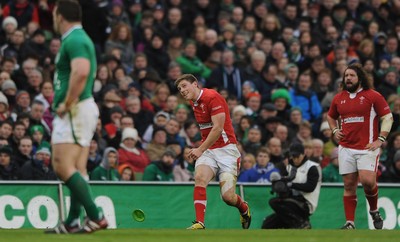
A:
(278, 63)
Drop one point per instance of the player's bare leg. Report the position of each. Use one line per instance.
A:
(203, 175)
(65, 167)
(350, 198)
(368, 180)
(228, 192)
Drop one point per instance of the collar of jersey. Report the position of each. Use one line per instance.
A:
(355, 93)
(65, 35)
(195, 102)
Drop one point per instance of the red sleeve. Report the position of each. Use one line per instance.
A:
(35, 15)
(6, 11)
(216, 105)
(380, 105)
(333, 113)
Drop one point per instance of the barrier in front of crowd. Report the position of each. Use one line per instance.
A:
(170, 205)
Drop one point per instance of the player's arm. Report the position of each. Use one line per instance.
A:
(386, 126)
(218, 121)
(333, 125)
(80, 69)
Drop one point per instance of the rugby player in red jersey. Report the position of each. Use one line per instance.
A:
(218, 154)
(358, 109)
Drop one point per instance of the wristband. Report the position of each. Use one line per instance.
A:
(382, 138)
(335, 130)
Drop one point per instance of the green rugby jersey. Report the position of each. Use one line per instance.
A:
(75, 44)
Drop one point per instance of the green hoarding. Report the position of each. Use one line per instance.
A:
(24, 205)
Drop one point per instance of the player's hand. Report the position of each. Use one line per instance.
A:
(195, 153)
(64, 108)
(61, 110)
(338, 135)
(374, 145)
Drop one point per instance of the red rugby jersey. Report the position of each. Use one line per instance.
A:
(208, 104)
(359, 116)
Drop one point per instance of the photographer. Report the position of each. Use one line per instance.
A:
(297, 194)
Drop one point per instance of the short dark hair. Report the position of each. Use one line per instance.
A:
(186, 77)
(70, 10)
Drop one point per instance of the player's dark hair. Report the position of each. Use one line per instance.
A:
(186, 77)
(363, 76)
(70, 10)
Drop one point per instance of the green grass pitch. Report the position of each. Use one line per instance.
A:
(209, 235)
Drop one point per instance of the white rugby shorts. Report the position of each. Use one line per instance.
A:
(352, 160)
(77, 126)
(224, 159)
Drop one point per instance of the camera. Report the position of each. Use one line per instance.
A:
(281, 185)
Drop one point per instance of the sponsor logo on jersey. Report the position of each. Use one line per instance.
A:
(353, 120)
(216, 108)
(205, 125)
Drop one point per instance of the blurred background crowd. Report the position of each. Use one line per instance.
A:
(278, 63)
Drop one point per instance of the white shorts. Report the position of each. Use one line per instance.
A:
(77, 126)
(225, 159)
(352, 160)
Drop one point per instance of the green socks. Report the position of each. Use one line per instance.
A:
(74, 211)
(81, 194)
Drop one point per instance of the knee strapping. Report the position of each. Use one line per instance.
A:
(228, 181)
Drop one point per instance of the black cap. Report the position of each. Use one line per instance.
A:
(296, 149)
(269, 107)
(169, 152)
(116, 109)
(6, 149)
(273, 119)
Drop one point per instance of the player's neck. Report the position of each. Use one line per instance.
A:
(197, 95)
(66, 26)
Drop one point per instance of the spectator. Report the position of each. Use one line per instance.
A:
(392, 172)
(261, 172)
(6, 129)
(107, 170)
(157, 145)
(161, 170)
(318, 153)
(9, 25)
(39, 167)
(304, 134)
(126, 172)
(229, 73)
(23, 11)
(331, 172)
(19, 131)
(23, 153)
(173, 128)
(94, 158)
(4, 113)
(190, 63)
(141, 117)
(130, 154)
(9, 169)
(303, 97)
(281, 100)
(247, 162)
(159, 100)
(37, 117)
(192, 133)
(9, 89)
(157, 55)
(184, 169)
(253, 143)
(22, 104)
(121, 39)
